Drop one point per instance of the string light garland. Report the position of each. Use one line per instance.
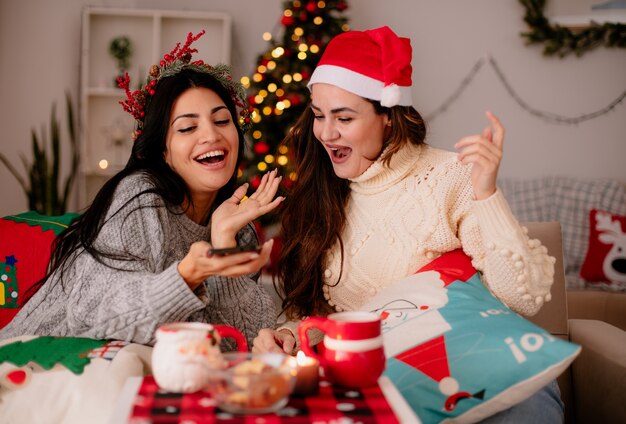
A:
(561, 41)
(546, 116)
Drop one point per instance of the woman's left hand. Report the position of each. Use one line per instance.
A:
(484, 151)
(232, 215)
(199, 263)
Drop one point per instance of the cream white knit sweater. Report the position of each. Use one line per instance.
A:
(401, 217)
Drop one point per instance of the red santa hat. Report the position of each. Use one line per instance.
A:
(375, 64)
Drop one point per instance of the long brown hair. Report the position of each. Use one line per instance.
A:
(313, 217)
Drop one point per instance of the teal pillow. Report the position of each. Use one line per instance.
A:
(456, 352)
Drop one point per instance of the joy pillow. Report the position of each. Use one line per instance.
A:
(25, 243)
(456, 353)
(605, 261)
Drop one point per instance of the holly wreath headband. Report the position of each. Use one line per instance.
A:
(172, 63)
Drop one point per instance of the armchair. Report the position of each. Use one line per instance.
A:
(593, 387)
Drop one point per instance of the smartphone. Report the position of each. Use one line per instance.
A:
(231, 250)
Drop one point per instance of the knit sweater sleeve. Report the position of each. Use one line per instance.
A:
(517, 270)
(160, 293)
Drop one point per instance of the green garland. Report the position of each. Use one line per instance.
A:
(562, 41)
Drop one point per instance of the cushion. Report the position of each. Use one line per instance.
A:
(456, 352)
(65, 379)
(25, 242)
(605, 261)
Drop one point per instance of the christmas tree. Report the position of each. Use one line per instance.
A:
(277, 89)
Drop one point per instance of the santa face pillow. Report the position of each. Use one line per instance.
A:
(605, 261)
(457, 353)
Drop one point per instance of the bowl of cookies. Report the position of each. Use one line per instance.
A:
(253, 383)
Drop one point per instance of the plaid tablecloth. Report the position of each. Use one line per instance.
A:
(331, 404)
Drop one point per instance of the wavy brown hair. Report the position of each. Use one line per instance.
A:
(313, 215)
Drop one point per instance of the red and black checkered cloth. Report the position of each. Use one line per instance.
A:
(331, 404)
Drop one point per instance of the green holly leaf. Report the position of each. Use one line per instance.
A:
(55, 223)
(71, 352)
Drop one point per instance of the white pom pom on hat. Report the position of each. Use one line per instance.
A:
(390, 96)
(375, 64)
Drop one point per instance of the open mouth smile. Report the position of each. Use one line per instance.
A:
(212, 157)
(339, 154)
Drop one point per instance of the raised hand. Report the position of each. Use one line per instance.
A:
(484, 151)
(232, 215)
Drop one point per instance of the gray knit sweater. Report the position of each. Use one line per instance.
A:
(128, 300)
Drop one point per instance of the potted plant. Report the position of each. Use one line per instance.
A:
(41, 185)
(121, 49)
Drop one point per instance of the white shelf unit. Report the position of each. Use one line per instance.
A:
(105, 129)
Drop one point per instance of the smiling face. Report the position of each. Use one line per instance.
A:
(202, 143)
(348, 128)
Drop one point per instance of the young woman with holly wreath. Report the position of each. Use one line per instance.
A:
(139, 256)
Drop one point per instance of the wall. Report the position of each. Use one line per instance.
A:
(40, 60)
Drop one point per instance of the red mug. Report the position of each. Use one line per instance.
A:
(352, 353)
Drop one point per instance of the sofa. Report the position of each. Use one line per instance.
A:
(593, 387)
(570, 201)
(590, 313)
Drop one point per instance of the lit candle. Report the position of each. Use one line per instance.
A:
(307, 378)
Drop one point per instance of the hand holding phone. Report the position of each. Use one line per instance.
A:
(231, 250)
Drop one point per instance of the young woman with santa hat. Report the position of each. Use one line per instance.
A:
(373, 203)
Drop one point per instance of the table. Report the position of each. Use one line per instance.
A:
(141, 402)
